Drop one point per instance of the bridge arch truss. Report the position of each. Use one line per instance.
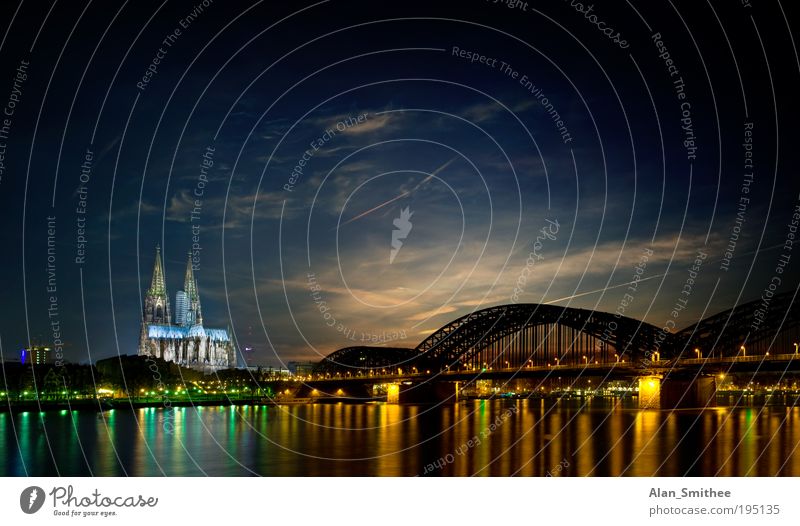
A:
(769, 324)
(519, 335)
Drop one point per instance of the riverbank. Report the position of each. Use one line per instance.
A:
(120, 403)
(106, 404)
(724, 399)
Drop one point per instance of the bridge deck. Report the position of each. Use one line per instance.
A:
(616, 369)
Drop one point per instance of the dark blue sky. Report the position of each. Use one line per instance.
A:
(470, 147)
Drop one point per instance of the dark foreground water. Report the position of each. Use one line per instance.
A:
(491, 437)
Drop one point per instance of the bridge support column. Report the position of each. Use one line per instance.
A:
(393, 394)
(656, 392)
(650, 392)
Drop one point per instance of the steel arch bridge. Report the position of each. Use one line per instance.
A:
(359, 360)
(768, 324)
(536, 335)
(513, 335)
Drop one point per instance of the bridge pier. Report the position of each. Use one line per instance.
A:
(393, 394)
(657, 392)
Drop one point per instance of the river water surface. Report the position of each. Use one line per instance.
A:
(481, 437)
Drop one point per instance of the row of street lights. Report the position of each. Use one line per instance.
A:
(743, 351)
(656, 358)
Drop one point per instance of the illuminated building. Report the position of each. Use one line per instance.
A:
(181, 308)
(185, 342)
(301, 368)
(37, 355)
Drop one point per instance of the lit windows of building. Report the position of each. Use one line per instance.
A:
(37, 355)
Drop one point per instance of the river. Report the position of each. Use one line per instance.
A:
(477, 437)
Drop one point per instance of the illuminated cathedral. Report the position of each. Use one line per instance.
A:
(185, 342)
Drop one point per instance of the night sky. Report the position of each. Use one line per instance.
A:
(281, 144)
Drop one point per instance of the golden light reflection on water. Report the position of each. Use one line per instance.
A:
(484, 437)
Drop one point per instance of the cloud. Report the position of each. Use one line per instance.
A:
(482, 112)
(431, 313)
(376, 121)
(486, 111)
(239, 208)
(412, 297)
(142, 207)
(180, 207)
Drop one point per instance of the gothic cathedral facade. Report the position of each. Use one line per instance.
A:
(185, 342)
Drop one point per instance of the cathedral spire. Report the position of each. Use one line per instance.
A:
(156, 302)
(192, 295)
(157, 285)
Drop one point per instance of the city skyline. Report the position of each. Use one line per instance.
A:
(276, 193)
(346, 238)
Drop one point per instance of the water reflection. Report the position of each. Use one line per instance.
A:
(484, 437)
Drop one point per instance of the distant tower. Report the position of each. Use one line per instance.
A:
(194, 314)
(156, 301)
(181, 308)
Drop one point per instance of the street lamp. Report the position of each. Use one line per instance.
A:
(616, 357)
(658, 356)
(696, 350)
(744, 351)
(795, 348)
(585, 360)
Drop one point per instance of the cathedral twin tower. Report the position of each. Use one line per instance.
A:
(185, 342)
